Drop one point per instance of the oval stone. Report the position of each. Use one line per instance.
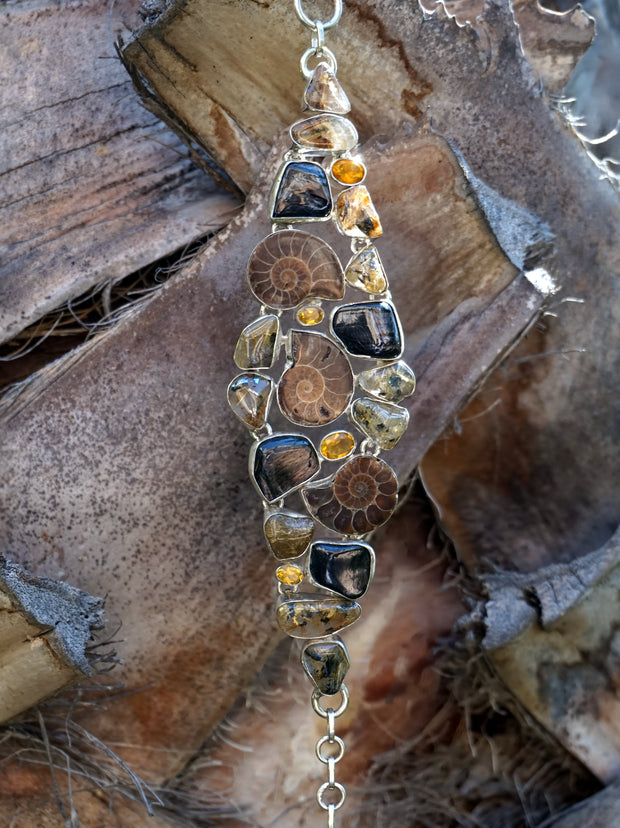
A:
(325, 133)
(315, 616)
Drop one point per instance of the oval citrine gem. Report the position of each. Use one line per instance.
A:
(348, 171)
(337, 445)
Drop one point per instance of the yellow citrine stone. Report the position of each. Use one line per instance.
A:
(289, 574)
(337, 445)
(310, 315)
(348, 171)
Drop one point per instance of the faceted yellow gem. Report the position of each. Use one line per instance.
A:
(289, 574)
(337, 445)
(348, 171)
(310, 315)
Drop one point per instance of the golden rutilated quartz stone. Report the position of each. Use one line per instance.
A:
(348, 171)
(310, 315)
(289, 574)
(337, 445)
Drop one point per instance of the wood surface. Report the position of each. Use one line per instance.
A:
(92, 186)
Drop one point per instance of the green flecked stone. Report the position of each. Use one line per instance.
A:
(383, 422)
(391, 383)
(256, 346)
(315, 616)
(326, 663)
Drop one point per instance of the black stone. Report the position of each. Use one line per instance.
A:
(345, 568)
(369, 329)
(303, 192)
(282, 463)
(326, 663)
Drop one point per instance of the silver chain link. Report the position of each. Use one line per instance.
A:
(330, 750)
(318, 49)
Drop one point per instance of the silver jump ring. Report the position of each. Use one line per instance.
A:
(324, 714)
(310, 23)
(327, 787)
(326, 55)
(324, 740)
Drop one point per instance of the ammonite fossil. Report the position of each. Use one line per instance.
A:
(317, 388)
(361, 496)
(290, 266)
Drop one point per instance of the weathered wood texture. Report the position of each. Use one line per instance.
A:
(45, 627)
(157, 500)
(140, 470)
(92, 186)
(400, 67)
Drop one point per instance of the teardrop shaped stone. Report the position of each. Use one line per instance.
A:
(288, 535)
(281, 463)
(315, 616)
(383, 422)
(366, 272)
(249, 396)
(326, 664)
(391, 383)
(345, 568)
(302, 193)
(256, 345)
(369, 329)
(325, 93)
(329, 133)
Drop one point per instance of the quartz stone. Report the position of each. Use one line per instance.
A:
(348, 171)
(356, 213)
(249, 396)
(288, 535)
(255, 347)
(383, 422)
(366, 272)
(315, 616)
(369, 329)
(302, 193)
(325, 133)
(345, 568)
(281, 463)
(310, 315)
(289, 575)
(325, 93)
(390, 382)
(326, 664)
(337, 445)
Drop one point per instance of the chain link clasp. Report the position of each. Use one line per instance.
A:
(314, 24)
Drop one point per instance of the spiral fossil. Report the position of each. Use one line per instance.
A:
(317, 388)
(361, 496)
(290, 266)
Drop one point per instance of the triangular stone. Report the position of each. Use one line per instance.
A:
(366, 272)
(325, 93)
(383, 422)
(302, 193)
